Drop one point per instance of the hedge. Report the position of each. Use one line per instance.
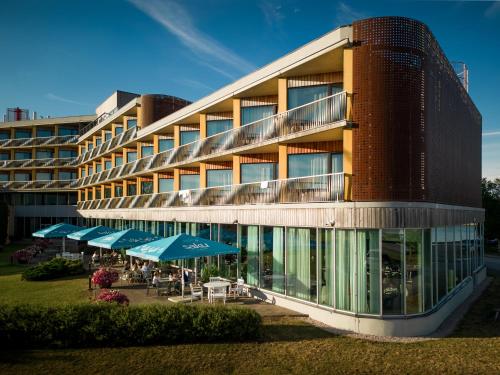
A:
(53, 269)
(112, 325)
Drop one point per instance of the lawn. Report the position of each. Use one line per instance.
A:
(288, 346)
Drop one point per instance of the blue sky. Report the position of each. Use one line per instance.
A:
(64, 57)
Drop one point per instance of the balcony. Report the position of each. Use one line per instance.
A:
(322, 188)
(108, 146)
(39, 163)
(311, 117)
(36, 185)
(39, 141)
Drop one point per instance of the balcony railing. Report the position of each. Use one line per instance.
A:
(98, 120)
(310, 116)
(39, 163)
(322, 188)
(107, 146)
(35, 185)
(39, 141)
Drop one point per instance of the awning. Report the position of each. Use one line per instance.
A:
(181, 246)
(88, 234)
(124, 239)
(60, 230)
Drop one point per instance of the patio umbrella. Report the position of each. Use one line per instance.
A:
(60, 230)
(124, 239)
(88, 234)
(180, 247)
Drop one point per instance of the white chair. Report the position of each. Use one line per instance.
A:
(237, 289)
(218, 293)
(212, 279)
(196, 291)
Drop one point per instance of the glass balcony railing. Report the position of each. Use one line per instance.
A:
(296, 121)
(108, 146)
(322, 188)
(39, 141)
(35, 185)
(39, 163)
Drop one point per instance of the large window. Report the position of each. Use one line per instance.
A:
(450, 258)
(252, 114)
(249, 245)
(326, 266)
(132, 123)
(4, 177)
(273, 259)
(118, 191)
(91, 171)
(118, 130)
(22, 176)
(20, 133)
(147, 187)
(301, 165)
(67, 131)
(301, 263)
(298, 96)
(107, 136)
(44, 154)
(165, 185)
(368, 271)
(67, 153)
(118, 161)
(165, 144)
(414, 271)
(147, 151)
(98, 141)
(107, 192)
(428, 290)
(392, 272)
(108, 164)
(4, 135)
(190, 181)
(4, 156)
(43, 132)
(189, 136)
(256, 172)
(67, 175)
(131, 189)
(218, 126)
(22, 155)
(131, 156)
(345, 268)
(439, 248)
(228, 264)
(98, 167)
(43, 176)
(219, 177)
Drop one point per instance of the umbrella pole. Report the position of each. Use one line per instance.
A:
(182, 278)
(195, 270)
(100, 253)
(64, 245)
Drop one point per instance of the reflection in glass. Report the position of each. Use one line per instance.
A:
(345, 268)
(326, 259)
(428, 291)
(301, 263)
(190, 181)
(256, 172)
(165, 185)
(252, 114)
(249, 245)
(414, 262)
(368, 271)
(392, 268)
(189, 136)
(450, 258)
(218, 126)
(219, 177)
(273, 259)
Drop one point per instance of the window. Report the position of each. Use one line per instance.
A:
(90, 147)
(83, 172)
(301, 263)
(337, 163)
(368, 267)
(118, 160)
(91, 171)
(326, 266)
(131, 156)
(68, 131)
(67, 175)
(98, 193)
(345, 269)
(107, 192)
(189, 136)
(43, 176)
(392, 272)
(22, 155)
(165, 144)
(249, 245)
(118, 130)
(252, 114)
(44, 154)
(118, 190)
(98, 142)
(4, 135)
(301, 165)
(41, 132)
(4, 156)
(256, 172)
(147, 187)
(219, 177)
(414, 275)
(22, 134)
(298, 96)
(146, 151)
(190, 181)
(67, 153)
(131, 189)
(107, 136)
(4, 177)
(273, 259)
(107, 164)
(132, 123)
(20, 176)
(165, 185)
(218, 126)
(90, 195)
(98, 167)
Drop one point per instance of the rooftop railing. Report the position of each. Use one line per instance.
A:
(39, 163)
(39, 141)
(98, 120)
(107, 146)
(321, 188)
(307, 117)
(36, 185)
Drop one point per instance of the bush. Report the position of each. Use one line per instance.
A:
(53, 269)
(209, 271)
(109, 295)
(105, 277)
(111, 325)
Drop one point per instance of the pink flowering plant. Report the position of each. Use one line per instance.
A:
(104, 277)
(111, 295)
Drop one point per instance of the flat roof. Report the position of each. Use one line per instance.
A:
(48, 121)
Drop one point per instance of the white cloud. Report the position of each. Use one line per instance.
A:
(175, 19)
(272, 13)
(51, 96)
(346, 14)
(491, 134)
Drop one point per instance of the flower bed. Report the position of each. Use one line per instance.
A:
(53, 269)
(104, 277)
(110, 295)
(110, 324)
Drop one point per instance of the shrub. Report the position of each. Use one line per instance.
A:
(110, 295)
(209, 271)
(53, 269)
(105, 325)
(104, 277)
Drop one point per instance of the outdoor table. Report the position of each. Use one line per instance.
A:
(216, 284)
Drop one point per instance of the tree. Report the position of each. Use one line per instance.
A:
(490, 191)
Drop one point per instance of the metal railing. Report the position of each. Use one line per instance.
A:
(108, 146)
(35, 185)
(297, 120)
(39, 141)
(321, 188)
(98, 120)
(39, 163)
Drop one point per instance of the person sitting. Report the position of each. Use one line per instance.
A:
(145, 270)
(156, 279)
(95, 257)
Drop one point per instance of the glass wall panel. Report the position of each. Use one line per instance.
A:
(43, 176)
(107, 136)
(345, 269)
(465, 251)
(368, 271)
(165, 144)
(414, 271)
(337, 163)
(298, 96)
(107, 192)
(440, 249)
(21, 176)
(108, 164)
(19, 133)
(4, 135)
(4, 156)
(98, 142)
(228, 263)
(301, 263)
(146, 151)
(165, 185)
(189, 136)
(131, 189)
(252, 114)
(41, 132)
(62, 131)
(4, 177)
(44, 154)
(132, 123)
(428, 291)
(273, 259)
(190, 181)
(219, 177)
(249, 245)
(326, 266)
(131, 156)
(67, 153)
(118, 130)
(147, 187)
(256, 172)
(118, 190)
(218, 126)
(22, 155)
(118, 161)
(450, 257)
(98, 168)
(392, 272)
(300, 165)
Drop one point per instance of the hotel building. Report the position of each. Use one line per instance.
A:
(348, 172)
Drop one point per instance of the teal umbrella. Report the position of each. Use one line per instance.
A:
(88, 234)
(60, 230)
(124, 239)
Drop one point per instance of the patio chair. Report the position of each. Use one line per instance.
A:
(150, 285)
(218, 293)
(196, 291)
(216, 278)
(237, 289)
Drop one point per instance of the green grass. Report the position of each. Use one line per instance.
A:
(288, 346)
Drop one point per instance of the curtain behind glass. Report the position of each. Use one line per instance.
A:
(326, 256)
(414, 271)
(218, 126)
(252, 114)
(252, 255)
(302, 165)
(298, 96)
(345, 268)
(368, 272)
(278, 277)
(299, 263)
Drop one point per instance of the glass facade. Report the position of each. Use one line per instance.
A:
(218, 126)
(147, 151)
(19, 133)
(67, 153)
(189, 136)
(41, 132)
(131, 156)
(302, 165)
(22, 155)
(256, 172)
(165, 185)
(298, 96)
(147, 187)
(219, 177)
(252, 114)
(165, 144)
(190, 181)
(67, 131)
